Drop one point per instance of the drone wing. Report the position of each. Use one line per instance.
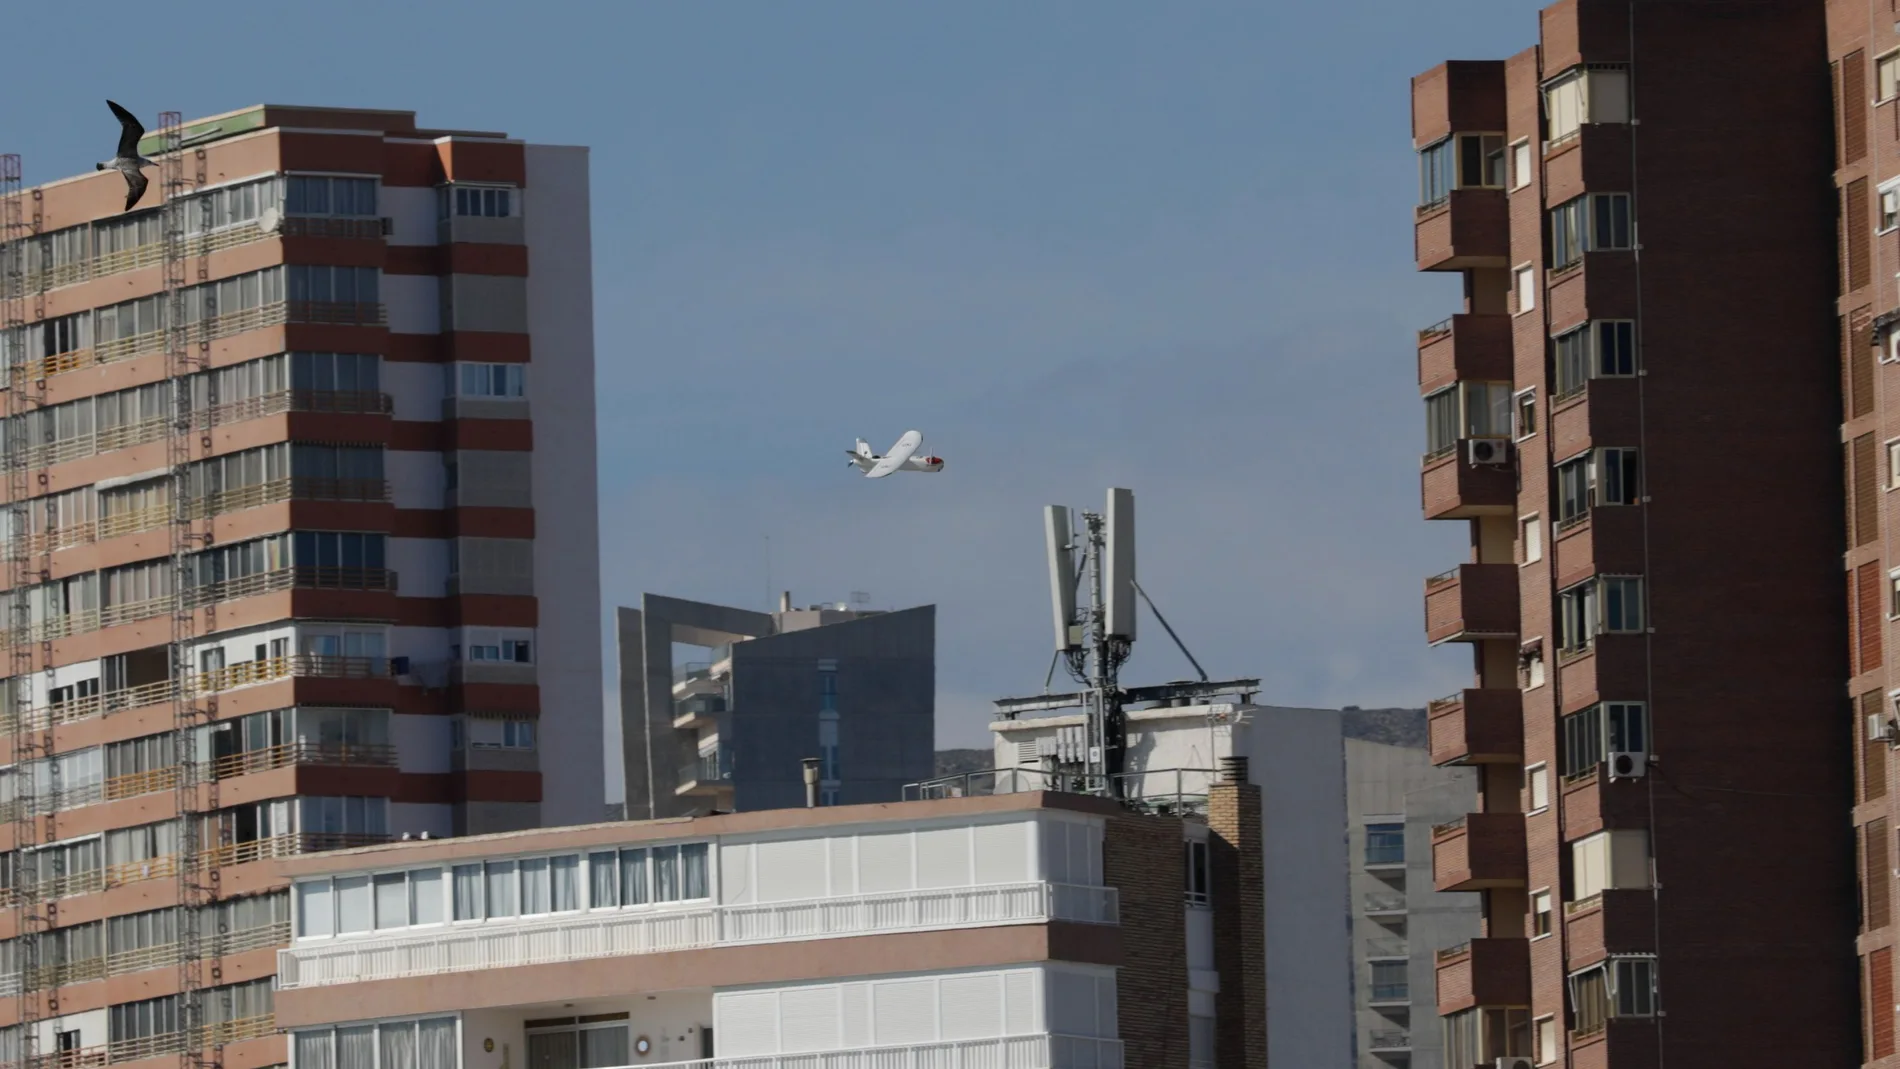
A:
(893, 460)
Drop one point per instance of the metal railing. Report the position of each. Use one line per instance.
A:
(1448, 827)
(1161, 790)
(1443, 578)
(288, 845)
(435, 950)
(1439, 705)
(149, 254)
(228, 324)
(1051, 1051)
(1388, 1040)
(1456, 950)
(1441, 327)
(1386, 948)
(294, 577)
(162, 955)
(708, 768)
(132, 1050)
(1391, 992)
(244, 674)
(1588, 902)
(1385, 903)
(153, 517)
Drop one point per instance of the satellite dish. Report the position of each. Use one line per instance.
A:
(269, 220)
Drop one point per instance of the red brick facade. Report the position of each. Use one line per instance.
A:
(1142, 858)
(1240, 936)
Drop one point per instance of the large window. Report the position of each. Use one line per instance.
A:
(1462, 161)
(1609, 861)
(232, 205)
(1600, 349)
(488, 380)
(329, 195)
(1607, 476)
(337, 549)
(1594, 222)
(425, 1044)
(1385, 844)
(486, 202)
(1591, 735)
(1389, 981)
(1435, 172)
(1584, 95)
(1605, 604)
(1482, 1035)
(592, 1042)
(340, 285)
(1466, 410)
(1619, 987)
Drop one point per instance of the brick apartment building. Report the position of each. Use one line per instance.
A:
(1028, 930)
(279, 442)
(1637, 410)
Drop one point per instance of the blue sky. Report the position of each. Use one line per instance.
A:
(1163, 246)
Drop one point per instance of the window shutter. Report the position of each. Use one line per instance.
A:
(1860, 362)
(1873, 754)
(1834, 83)
(1866, 493)
(1879, 908)
(1867, 593)
(1853, 104)
(1859, 227)
(1880, 1001)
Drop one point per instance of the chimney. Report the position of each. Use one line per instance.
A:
(1233, 769)
(811, 778)
(785, 602)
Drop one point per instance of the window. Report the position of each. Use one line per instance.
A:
(1603, 605)
(1532, 535)
(1441, 422)
(1599, 349)
(1199, 880)
(483, 734)
(1533, 670)
(1893, 464)
(1540, 914)
(1521, 164)
(1434, 173)
(1537, 785)
(1886, 77)
(337, 549)
(1608, 476)
(1620, 987)
(488, 380)
(333, 372)
(1609, 861)
(1889, 208)
(1893, 594)
(510, 651)
(1584, 95)
(335, 285)
(1546, 1040)
(424, 1044)
(1590, 735)
(329, 195)
(349, 904)
(477, 201)
(1525, 409)
(1480, 161)
(233, 205)
(1594, 222)
(1385, 844)
(1389, 982)
(1524, 286)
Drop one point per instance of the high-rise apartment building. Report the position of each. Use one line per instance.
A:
(1638, 211)
(729, 728)
(276, 442)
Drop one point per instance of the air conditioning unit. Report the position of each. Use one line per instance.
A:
(1488, 452)
(1514, 1062)
(1628, 764)
(1879, 728)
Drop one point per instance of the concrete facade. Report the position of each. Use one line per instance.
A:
(1399, 921)
(856, 690)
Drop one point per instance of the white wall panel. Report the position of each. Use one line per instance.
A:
(903, 1011)
(422, 743)
(411, 210)
(791, 869)
(809, 1019)
(415, 389)
(884, 862)
(414, 303)
(898, 1010)
(1002, 852)
(417, 479)
(735, 873)
(970, 1007)
(745, 1023)
(421, 566)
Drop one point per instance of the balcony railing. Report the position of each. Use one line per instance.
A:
(1006, 1052)
(139, 1049)
(708, 768)
(121, 260)
(330, 313)
(295, 577)
(1386, 948)
(153, 517)
(244, 674)
(494, 946)
(1158, 790)
(1389, 1041)
(1385, 903)
(163, 955)
(288, 845)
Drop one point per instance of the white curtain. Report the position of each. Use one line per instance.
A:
(356, 1047)
(314, 1050)
(425, 890)
(436, 1046)
(398, 1042)
(468, 892)
(567, 891)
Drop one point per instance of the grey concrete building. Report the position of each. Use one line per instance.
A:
(728, 731)
(1394, 796)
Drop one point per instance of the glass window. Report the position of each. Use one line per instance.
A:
(1537, 784)
(633, 878)
(565, 873)
(1199, 881)
(534, 886)
(1540, 913)
(355, 910)
(666, 873)
(425, 896)
(392, 900)
(315, 908)
(694, 883)
(1524, 286)
(1441, 422)
(1520, 165)
(500, 889)
(468, 892)
(1385, 844)
(1435, 173)
(1389, 981)
(602, 888)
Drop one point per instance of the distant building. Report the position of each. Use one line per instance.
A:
(855, 689)
(1400, 922)
(1297, 764)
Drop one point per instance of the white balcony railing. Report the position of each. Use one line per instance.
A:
(1007, 1052)
(492, 945)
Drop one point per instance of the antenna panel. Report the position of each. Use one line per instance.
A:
(1055, 524)
(1118, 571)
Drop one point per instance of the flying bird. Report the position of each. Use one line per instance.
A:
(128, 162)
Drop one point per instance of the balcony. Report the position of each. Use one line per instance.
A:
(697, 677)
(1479, 851)
(1385, 905)
(1472, 347)
(1471, 603)
(1611, 922)
(1484, 972)
(1457, 96)
(1453, 488)
(1388, 1042)
(1387, 948)
(433, 951)
(1469, 228)
(295, 577)
(244, 674)
(1477, 727)
(166, 1044)
(700, 710)
(710, 774)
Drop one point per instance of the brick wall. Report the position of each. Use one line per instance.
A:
(1240, 925)
(1142, 857)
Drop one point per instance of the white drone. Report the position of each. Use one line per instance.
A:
(902, 457)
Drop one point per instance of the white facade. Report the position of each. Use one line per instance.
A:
(1296, 758)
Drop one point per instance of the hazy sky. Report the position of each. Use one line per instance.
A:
(1157, 245)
